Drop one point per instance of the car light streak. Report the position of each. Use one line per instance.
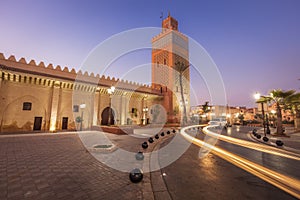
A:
(285, 183)
(254, 146)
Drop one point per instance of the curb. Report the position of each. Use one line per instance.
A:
(266, 143)
(159, 187)
(287, 148)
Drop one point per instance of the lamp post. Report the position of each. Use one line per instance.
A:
(110, 91)
(82, 106)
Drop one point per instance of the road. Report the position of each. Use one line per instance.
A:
(214, 178)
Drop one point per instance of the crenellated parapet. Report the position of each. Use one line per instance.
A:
(65, 73)
(166, 31)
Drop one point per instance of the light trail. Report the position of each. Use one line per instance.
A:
(285, 183)
(252, 145)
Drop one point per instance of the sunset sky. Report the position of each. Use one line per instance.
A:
(255, 44)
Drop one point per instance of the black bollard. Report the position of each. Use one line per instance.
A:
(150, 140)
(157, 136)
(136, 175)
(174, 131)
(279, 143)
(258, 136)
(265, 139)
(145, 145)
(139, 156)
(162, 134)
(168, 132)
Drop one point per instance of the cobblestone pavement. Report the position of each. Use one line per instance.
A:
(58, 167)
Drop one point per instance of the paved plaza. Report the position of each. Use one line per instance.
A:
(58, 166)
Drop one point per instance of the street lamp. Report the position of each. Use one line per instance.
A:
(110, 91)
(82, 106)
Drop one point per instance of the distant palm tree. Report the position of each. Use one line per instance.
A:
(280, 98)
(293, 104)
(205, 108)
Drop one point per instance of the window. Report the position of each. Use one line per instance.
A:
(165, 61)
(75, 108)
(27, 105)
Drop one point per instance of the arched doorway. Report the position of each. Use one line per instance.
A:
(108, 113)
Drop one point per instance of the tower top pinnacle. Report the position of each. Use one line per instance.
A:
(170, 23)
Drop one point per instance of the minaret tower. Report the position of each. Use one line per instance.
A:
(169, 48)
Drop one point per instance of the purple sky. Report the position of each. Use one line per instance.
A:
(255, 44)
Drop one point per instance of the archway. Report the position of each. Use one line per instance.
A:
(107, 113)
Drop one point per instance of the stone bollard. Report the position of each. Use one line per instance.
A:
(136, 175)
(258, 136)
(150, 140)
(265, 139)
(145, 145)
(139, 156)
(279, 143)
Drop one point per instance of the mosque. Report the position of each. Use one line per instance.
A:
(35, 97)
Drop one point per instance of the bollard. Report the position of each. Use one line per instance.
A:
(174, 131)
(136, 175)
(265, 139)
(150, 140)
(168, 132)
(139, 156)
(279, 143)
(258, 136)
(145, 145)
(157, 136)
(162, 134)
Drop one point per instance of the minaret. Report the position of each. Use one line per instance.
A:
(168, 48)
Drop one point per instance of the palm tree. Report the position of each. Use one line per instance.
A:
(205, 108)
(280, 98)
(293, 104)
(181, 67)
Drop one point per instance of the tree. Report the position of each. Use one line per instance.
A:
(181, 67)
(205, 109)
(280, 98)
(293, 104)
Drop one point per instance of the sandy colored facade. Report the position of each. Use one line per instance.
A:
(35, 97)
(46, 98)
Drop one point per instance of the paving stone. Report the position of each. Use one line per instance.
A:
(59, 167)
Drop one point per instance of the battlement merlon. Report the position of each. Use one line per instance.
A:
(32, 68)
